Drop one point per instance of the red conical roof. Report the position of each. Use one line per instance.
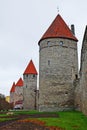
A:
(58, 29)
(30, 69)
(19, 83)
(12, 88)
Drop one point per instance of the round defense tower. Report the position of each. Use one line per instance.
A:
(58, 67)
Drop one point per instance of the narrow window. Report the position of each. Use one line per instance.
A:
(61, 43)
(66, 92)
(33, 75)
(76, 76)
(24, 76)
(48, 62)
(48, 43)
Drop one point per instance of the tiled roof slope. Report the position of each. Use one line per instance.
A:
(58, 29)
(30, 69)
(19, 83)
(12, 88)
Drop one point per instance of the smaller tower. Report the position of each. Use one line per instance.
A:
(30, 86)
(12, 92)
(19, 94)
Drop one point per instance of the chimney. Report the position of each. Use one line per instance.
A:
(73, 29)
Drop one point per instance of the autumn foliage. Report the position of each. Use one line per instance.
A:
(4, 105)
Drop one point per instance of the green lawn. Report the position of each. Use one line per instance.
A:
(31, 112)
(6, 119)
(71, 120)
(68, 120)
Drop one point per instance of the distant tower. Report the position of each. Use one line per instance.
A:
(18, 98)
(83, 75)
(30, 86)
(58, 67)
(12, 93)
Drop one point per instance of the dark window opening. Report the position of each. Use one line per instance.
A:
(24, 76)
(48, 62)
(66, 92)
(33, 75)
(48, 43)
(27, 75)
(61, 42)
(76, 76)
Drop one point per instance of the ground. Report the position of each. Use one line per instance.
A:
(22, 122)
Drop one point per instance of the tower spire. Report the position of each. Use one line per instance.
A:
(58, 9)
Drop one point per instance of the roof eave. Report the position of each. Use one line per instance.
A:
(57, 37)
(30, 73)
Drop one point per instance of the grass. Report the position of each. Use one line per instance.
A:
(70, 120)
(30, 112)
(6, 119)
(3, 115)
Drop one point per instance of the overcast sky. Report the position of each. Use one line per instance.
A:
(22, 24)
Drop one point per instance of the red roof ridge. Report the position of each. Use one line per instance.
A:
(12, 88)
(58, 29)
(19, 83)
(30, 69)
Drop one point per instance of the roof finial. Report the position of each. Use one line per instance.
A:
(58, 9)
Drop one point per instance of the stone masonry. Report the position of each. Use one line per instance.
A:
(81, 93)
(58, 69)
(30, 87)
(61, 86)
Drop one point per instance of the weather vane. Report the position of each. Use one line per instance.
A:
(57, 9)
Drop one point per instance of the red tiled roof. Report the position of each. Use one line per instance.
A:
(58, 29)
(19, 83)
(30, 69)
(12, 88)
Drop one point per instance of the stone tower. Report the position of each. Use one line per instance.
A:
(30, 87)
(58, 67)
(83, 75)
(12, 94)
(18, 96)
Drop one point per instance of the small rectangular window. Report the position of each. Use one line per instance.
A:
(76, 76)
(24, 76)
(33, 75)
(48, 43)
(48, 62)
(61, 43)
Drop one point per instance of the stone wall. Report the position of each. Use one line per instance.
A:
(78, 92)
(83, 79)
(12, 97)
